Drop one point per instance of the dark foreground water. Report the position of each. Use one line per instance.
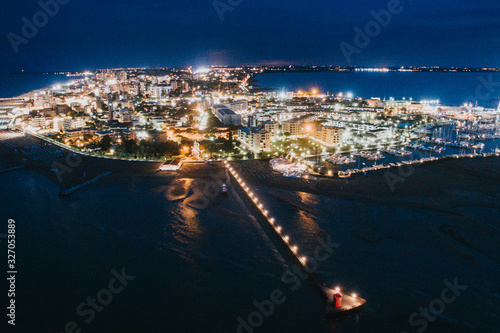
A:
(450, 88)
(194, 273)
(201, 272)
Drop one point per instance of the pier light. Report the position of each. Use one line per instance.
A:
(243, 184)
(337, 289)
(354, 295)
(260, 206)
(303, 260)
(295, 249)
(266, 212)
(271, 220)
(286, 239)
(278, 229)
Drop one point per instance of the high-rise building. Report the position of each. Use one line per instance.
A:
(252, 121)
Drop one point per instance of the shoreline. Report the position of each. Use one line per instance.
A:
(71, 171)
(451, 175)
(32, 92)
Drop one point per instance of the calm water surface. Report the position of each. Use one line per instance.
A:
(450, 88)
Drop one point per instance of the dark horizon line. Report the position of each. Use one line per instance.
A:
(184, 67)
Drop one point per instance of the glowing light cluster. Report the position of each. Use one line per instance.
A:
(271, 220)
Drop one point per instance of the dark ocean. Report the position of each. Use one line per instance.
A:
(204, 270)
(450, 88)
(12, 85)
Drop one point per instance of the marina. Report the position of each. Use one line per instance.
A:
(338, 159)
(438, 143)
(350, 172)
(370, 156)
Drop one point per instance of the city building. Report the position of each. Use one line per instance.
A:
(254, 139)
(39, 122)
(159, 92)
(327, 135)
(78, 134)
(226, 116)
(272, 127)
(238, 106)
(291, 127)
(252, 121)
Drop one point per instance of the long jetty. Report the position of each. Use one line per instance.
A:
(72, 190)
(338, 303)
(12, 169)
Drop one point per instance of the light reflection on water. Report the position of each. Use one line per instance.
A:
(388, 254)
(218, 260)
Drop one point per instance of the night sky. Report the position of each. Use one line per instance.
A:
(89, 34)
